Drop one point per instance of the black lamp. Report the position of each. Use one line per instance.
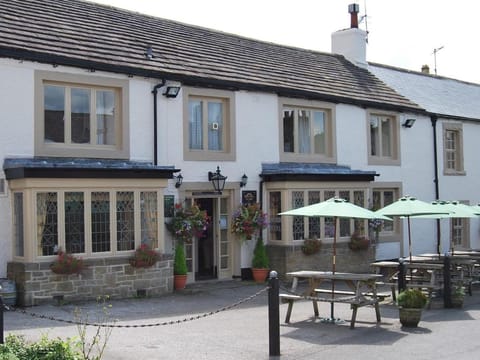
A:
(217, 179)
(244, 180)
(171, 91)
(179, 181)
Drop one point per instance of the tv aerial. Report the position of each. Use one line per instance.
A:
(435, 57)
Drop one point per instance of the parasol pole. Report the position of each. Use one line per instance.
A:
(409, 240)
(335, 221)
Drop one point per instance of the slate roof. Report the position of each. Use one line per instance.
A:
(93, 36)
(39, 167)
(439, 95)
(314, 172)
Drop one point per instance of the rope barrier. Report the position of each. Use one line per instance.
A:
(108, 325)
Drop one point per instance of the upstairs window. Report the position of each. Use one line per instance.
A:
(453, 149)
(307, 132)
(209, 124)
(383, 139)
(79, 116)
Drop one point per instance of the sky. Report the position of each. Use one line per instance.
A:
(442, 34)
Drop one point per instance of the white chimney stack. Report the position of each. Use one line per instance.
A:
(352, 42)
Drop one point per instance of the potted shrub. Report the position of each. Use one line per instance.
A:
(260, 262)
(411, 303)
(458, 294)
(186, 223)
(179, 267)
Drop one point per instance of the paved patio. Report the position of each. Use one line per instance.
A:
(241, 332)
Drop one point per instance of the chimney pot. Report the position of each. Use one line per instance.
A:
(353, 9)
(425, 69)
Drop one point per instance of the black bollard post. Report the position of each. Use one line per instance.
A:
(401, 276)
(274, 314)
(447, 282)
(1, 320)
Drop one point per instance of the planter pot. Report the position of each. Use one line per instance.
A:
(457, 301)
(179, 281)
(259, 275)
(410, 317)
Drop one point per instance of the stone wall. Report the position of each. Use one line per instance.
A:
(284, 259)
(115, 277)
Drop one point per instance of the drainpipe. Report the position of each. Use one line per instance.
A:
(155, 120)
(433, 119)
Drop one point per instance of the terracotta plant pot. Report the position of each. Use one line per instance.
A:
(259, 275)
(179, 281)
(457, 301)
(410, 317)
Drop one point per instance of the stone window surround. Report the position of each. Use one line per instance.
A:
(395, 159)
(228, 98)
(286, 198)
(329, 109)
(120, 150)
(32, 186)
(458, 127)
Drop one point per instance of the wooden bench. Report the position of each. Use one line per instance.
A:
(380, 296)
(339, 296)
(290, 299)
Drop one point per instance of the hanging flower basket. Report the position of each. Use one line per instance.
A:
(188, 222)
(311, 246)
(248, 220)
(358, 242)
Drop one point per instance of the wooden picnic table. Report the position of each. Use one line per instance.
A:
(423, 275)
(361, 291)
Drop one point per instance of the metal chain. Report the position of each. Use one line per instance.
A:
(171, 322)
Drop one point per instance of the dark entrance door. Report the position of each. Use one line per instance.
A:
(206, 268)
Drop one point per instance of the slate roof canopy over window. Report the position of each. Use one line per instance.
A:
(19, 168)
(313, 172)
(92, 36)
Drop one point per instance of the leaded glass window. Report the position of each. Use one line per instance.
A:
(148, 218)
(100, 220)
(275, 221)
(298, 221)
(47, 223)
(314, 222)
(345, 222)
(74, 222)
(125, 221)
(18, 224)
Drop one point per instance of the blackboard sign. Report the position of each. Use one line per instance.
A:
(249, 197)
(168, 205)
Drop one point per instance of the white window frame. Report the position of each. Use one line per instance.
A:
(287, 222)
(119, 150)
(227, 99)
(396, 233)
(31, 187)
(380, 158)
(297, 105)
(458, 169)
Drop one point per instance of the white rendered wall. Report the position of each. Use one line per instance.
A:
(17, 126)
(16, 136)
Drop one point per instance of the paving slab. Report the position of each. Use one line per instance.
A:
(205, 322)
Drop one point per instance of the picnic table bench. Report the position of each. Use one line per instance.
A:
(356, 297)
